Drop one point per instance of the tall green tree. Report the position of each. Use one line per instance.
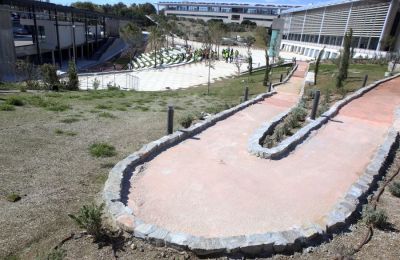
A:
(262, 33)
(155, 39)
(133, 36)
(317, 63)
(73, 81)
(345, 59)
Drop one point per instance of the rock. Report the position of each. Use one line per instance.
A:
(133, 246)
(141, 249)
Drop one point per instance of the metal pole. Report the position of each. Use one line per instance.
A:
(281, 78)
(246, 93)
(315, 104)
(58, 40)
(270, 87)
(365, 80)
(170, 121)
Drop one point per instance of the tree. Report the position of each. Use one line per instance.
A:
(73, 81)
(217, 31)
(27, 71)
(49, 75)
(250, 61)
(262, 33)
(317, 62)
(238, 63)
(267, 69)
(133, 36)
(155, 39)
(249, 41)
(344, 62)
(87, 6)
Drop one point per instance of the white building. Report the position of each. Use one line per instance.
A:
(262, 14)
(375, 24)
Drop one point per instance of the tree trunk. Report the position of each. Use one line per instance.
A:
(266, 76)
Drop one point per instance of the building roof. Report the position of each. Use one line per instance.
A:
(224, 4)
(320, 5)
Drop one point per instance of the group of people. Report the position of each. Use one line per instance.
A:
(229, 54)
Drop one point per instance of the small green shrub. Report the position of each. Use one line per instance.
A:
(22, 88)
(6, 107)
(376, 217)
(103, 106)
(186, 121)
(13, 197)
(62, 132)
(106, 115)
(102, 150)
(89, 218)
(15, 101)
(96, 83)
(56, 254)
(47, 103)
(69, 120)
(394, 189)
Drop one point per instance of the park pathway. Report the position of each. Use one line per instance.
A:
(211, 186)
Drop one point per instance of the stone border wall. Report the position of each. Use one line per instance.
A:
(289, 144)
(286, 241)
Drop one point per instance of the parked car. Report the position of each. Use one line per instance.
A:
(20, 31)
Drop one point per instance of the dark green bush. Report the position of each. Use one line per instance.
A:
(102, 150)
(89, 218)
(186, 121)
(15, 101)
(6, 107)
(394, 189)
(376, 217)
(13, 197)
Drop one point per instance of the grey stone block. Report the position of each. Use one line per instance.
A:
(142, 230)
(178, 240)
(257, 243)
(158, 237)
(206, 246)
(116, 209)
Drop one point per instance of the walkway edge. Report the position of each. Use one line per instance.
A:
(290, 143)
(269, 243)
(116, 187)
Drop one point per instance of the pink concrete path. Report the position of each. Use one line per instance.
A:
(211, 186)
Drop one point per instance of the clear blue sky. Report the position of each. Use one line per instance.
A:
(127, 2)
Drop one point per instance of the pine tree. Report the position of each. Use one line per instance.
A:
(73, 81)
(267, 69)
(317, 62)
(344, 62)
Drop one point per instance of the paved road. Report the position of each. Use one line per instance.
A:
(211, 186)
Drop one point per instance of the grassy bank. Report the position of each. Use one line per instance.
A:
(50, 156)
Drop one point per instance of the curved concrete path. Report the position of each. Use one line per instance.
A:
(211, 186)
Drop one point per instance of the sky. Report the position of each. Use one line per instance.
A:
(129, 2)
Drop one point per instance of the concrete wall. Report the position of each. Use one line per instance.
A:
(7, 50)
(65, 31)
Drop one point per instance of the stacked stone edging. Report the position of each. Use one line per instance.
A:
(287, 145)
(287, 241)
(264, 243)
